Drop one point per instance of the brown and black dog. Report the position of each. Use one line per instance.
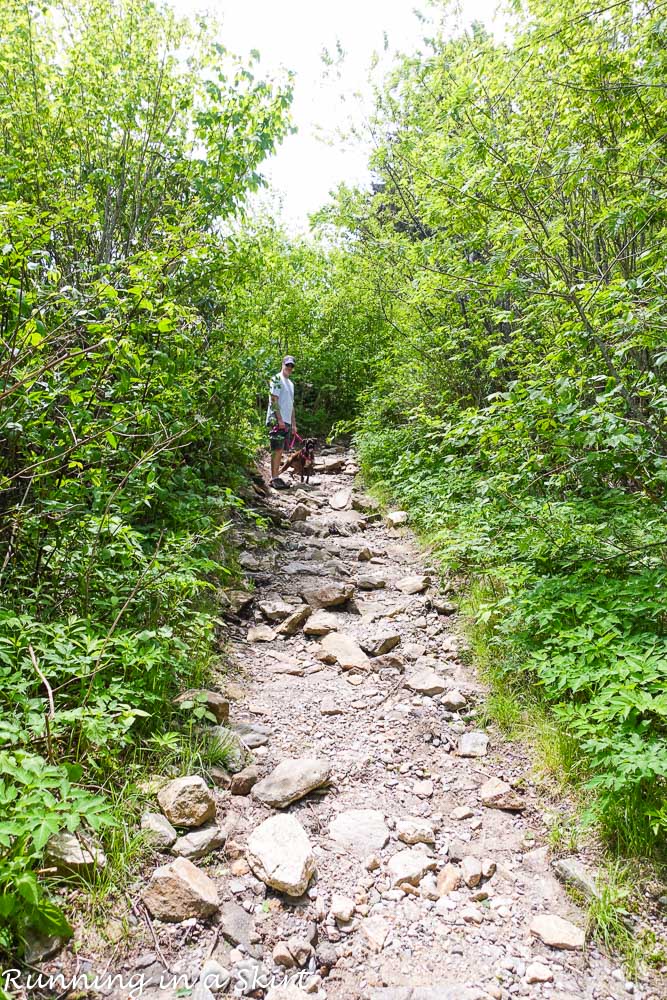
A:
(302, 462)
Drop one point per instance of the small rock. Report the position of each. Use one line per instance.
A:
(243, 782)
(471, 871)
(340, 499)
(425, 681)
(472, 914)
(178, 891)
(572, 872)
(282, 955)
(423, 789)
(159, 831)
(475, 744)
(329, 596)
(300, 513)
(371, 581)
(200, 842)
(364, 555)
(346, 652)
(291, 625)
(453, 701)
(396, 518)
(213, 701)
(413, 584)
(214, 976)
(328, 706)
(300, 949)
(291, 780)
(260, 633)
(409, 866)
(460, 813)
(236, 925)
(538, 973)
(556, 932)
(187, 801)
(280, 854)
(342, 907)
(65, 852)
(488, 868)
(275, 611)
(448, 880)
(361, 831)
(321, 623)
(415, 830)
(375, 930)
(497, 794)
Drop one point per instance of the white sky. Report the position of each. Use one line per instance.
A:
(291, 34)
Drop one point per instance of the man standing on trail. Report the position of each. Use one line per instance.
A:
(280, 418)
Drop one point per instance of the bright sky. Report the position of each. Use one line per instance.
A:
(292, 34)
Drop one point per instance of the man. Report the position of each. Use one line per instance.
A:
(280, 418)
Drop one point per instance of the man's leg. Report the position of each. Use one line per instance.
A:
(276, 460)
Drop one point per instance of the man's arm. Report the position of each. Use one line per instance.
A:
(275, 400)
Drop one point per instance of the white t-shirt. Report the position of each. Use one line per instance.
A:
(283, 388)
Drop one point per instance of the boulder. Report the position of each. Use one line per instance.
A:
(330, 595)
(280, 854)
(213, 701)
(475, 744)
(291, 780)
(557, 932)
(292, 624)
(497, 794)
(345, 651)
(409, 866)
(426, 681)
(359, 831)
(414, 584)
(179, 891)
(187, 801)
(159, 832)
(70, 856)
(200, 842)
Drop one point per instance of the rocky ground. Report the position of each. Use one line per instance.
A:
(382, 844)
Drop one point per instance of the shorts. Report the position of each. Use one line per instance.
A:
(279, 438)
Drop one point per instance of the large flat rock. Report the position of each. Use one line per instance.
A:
(346, 651)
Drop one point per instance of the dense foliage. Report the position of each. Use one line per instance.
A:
(516, 239)
(127, 141)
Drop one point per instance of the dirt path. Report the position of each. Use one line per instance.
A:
(433, 880)
(396, 753)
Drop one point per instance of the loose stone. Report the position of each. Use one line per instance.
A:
(291, 780)
(178, 891)
(557, 932)
(280, 854)
(187, 801)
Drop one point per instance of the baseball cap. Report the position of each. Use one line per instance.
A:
(288, 360)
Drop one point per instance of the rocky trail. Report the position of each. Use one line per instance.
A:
(383, 844)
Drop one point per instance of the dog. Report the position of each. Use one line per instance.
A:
(302, 462)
